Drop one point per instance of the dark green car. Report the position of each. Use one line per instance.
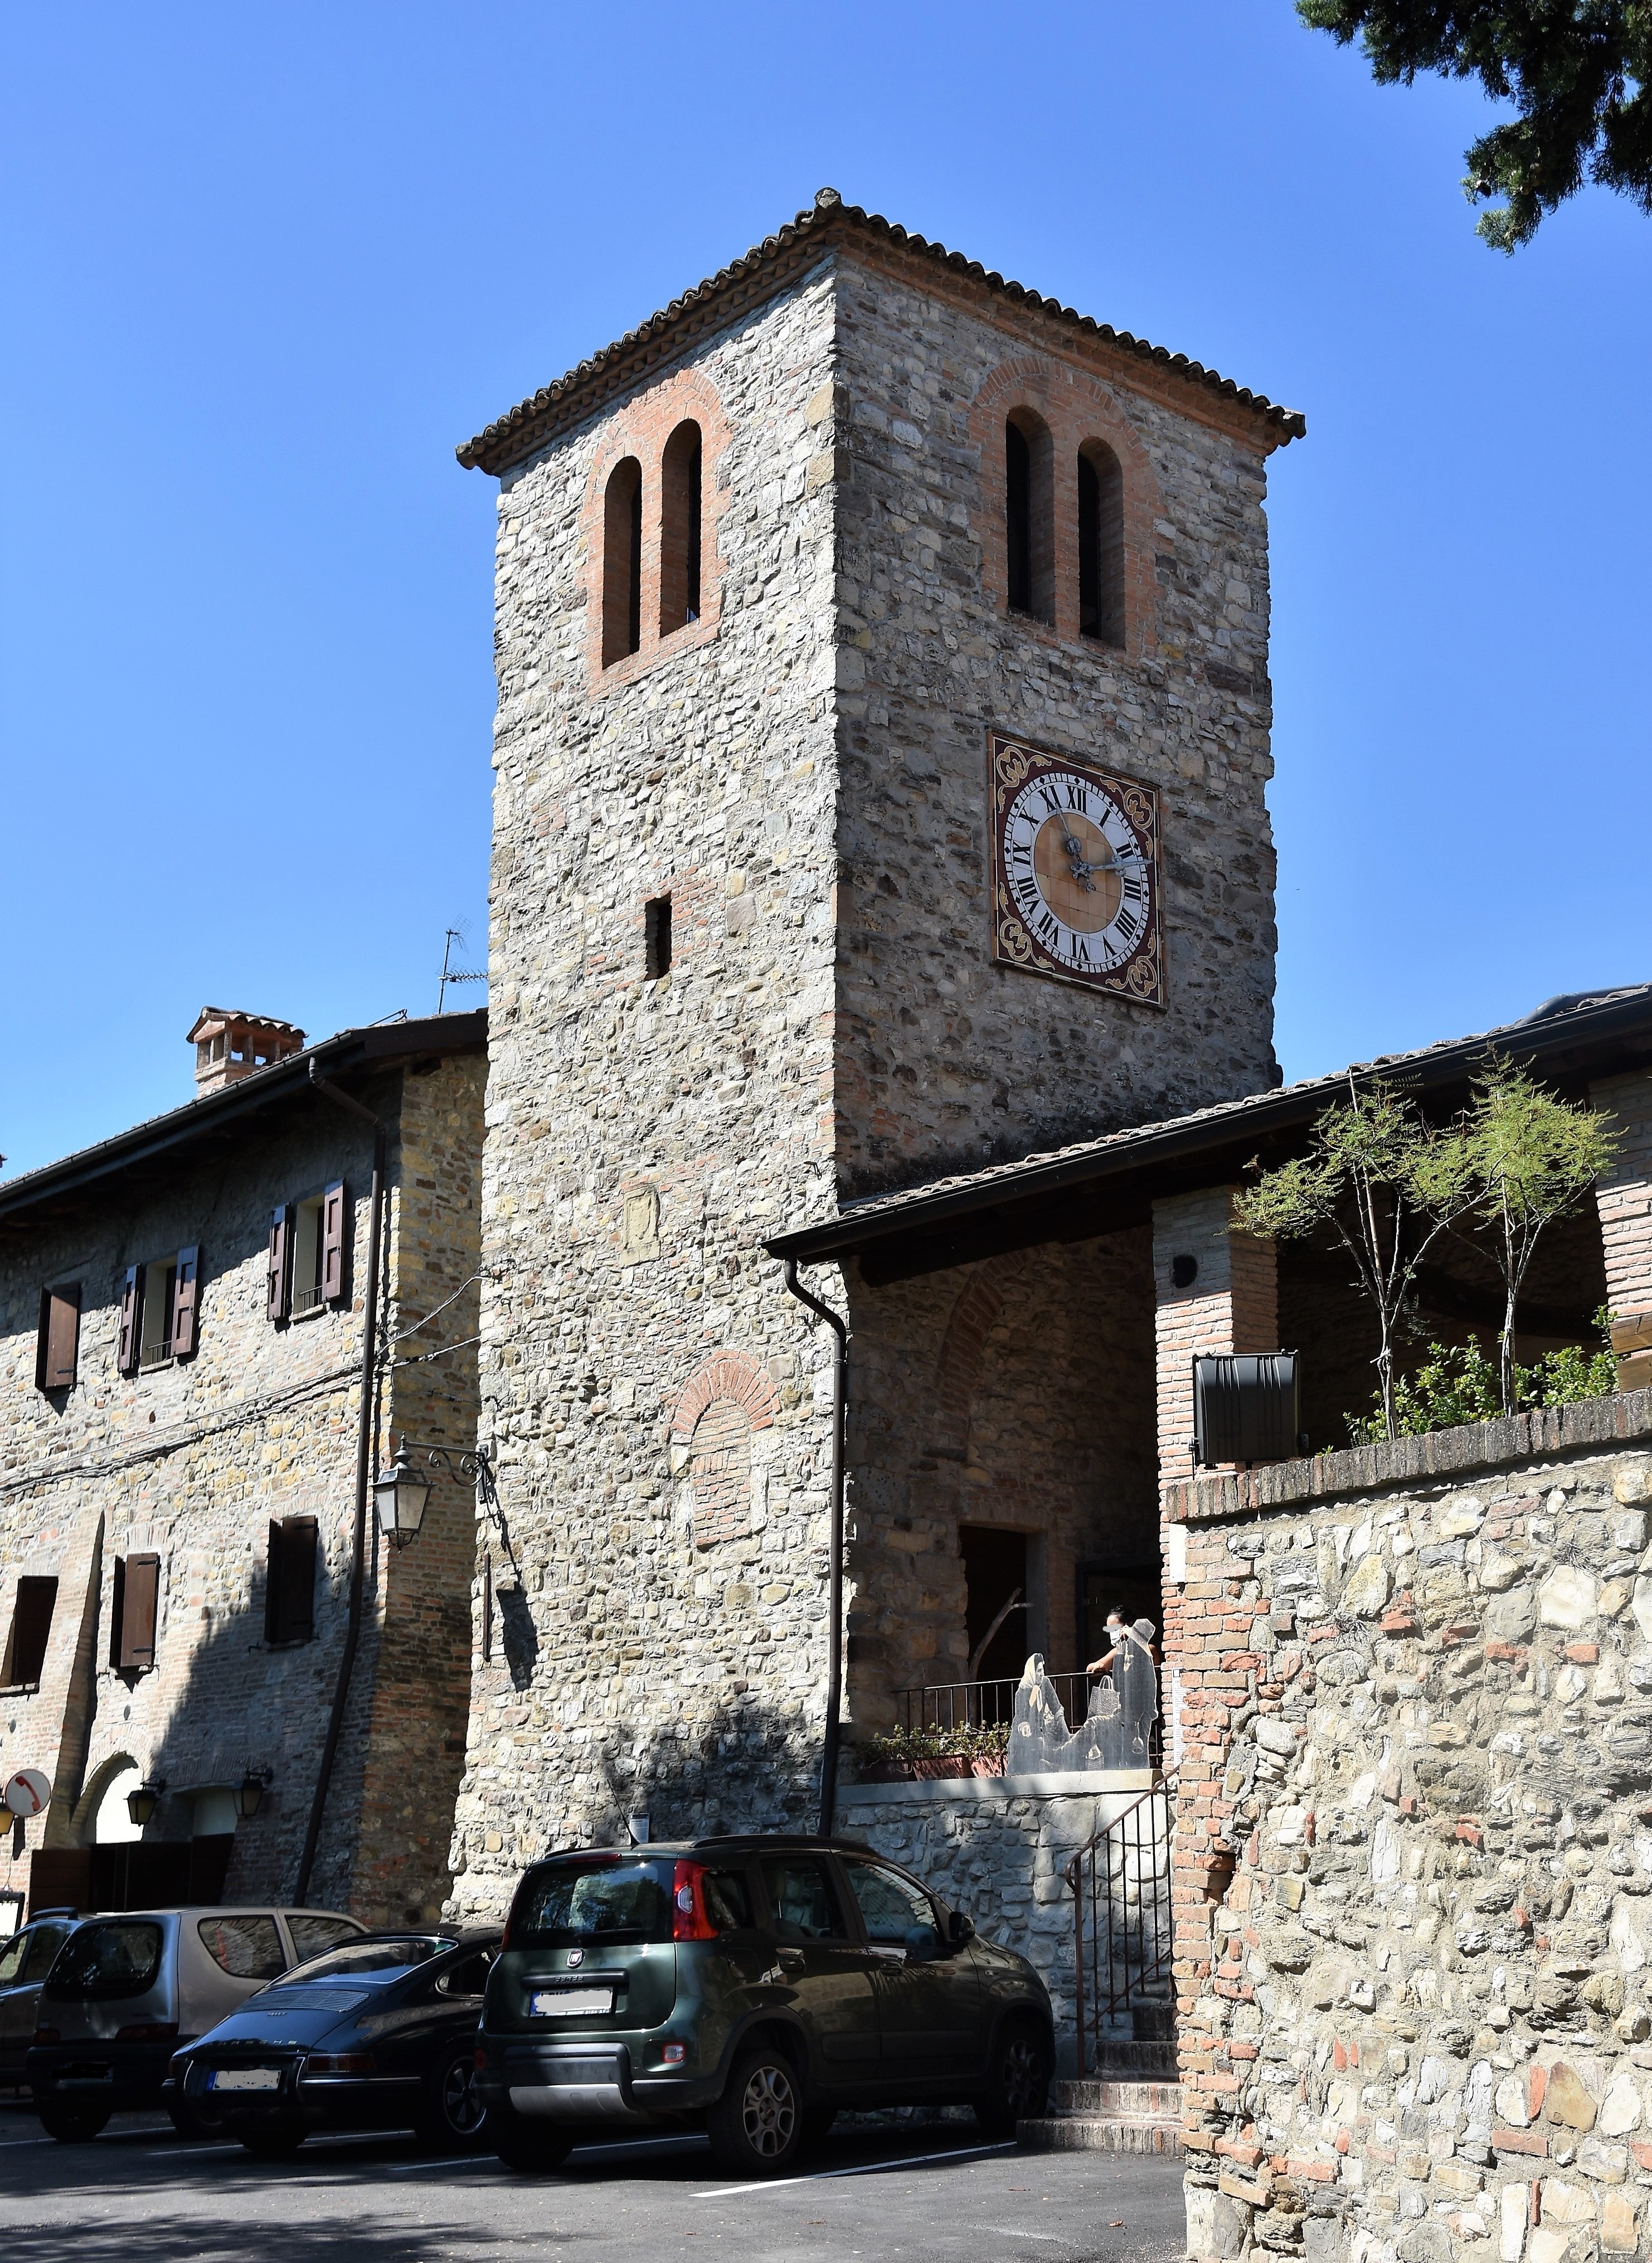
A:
(752, 1987)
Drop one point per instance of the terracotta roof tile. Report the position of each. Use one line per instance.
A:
(764, 270)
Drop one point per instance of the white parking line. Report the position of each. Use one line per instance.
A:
(1015, 2232)
(865, 2169)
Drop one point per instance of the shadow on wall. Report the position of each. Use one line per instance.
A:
(243, 1702)
(745, 1766)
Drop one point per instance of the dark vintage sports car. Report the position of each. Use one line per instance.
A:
(377, 2034)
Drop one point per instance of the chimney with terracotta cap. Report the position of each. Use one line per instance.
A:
(229, 1045)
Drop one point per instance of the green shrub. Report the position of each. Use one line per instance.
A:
(1462, 1383)
(932, 1744)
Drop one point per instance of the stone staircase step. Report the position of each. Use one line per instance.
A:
(1131, 2097)
(1084, 2133)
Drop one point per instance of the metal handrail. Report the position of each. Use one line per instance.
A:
(1123, 1872)
(983, 1704)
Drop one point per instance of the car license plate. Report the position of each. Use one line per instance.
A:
(571, 2003)
(244, 2078)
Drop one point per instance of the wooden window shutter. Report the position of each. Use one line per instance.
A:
(295, 1597)
(333, 1243)
(59, 1343)
(131, 1320)
(185, 1293)
(280, 1303)
(140, 1607)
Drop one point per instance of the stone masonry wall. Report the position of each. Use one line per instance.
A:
(1413, 1861)
(997, 1854)
(192, 1461)
(643, 1134)
(802, 772)
(945, 1058)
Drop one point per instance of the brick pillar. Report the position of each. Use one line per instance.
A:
(1231, 1305)
(1623, 1197)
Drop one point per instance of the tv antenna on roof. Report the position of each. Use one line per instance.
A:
(452, 973)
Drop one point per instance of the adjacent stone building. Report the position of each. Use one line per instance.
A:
(882, 753)
(182, 1318)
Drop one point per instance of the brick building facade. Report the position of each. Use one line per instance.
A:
(181, 1311)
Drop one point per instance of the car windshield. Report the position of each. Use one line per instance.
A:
(595, 1897)
(118, 1956)
(372, 1964)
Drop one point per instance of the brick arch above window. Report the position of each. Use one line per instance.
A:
(1078, 408)
(970, 1323)
(643, 428)
(732, 1375)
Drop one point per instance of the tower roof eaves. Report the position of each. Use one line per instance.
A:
(764, 270)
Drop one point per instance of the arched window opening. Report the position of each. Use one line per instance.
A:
(1100, 544)
(679, 530)
(622, 562)
(1029, 514)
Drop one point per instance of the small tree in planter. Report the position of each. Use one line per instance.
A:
(1386, 1184)
(1531, 1159)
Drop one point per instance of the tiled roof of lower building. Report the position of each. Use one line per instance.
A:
(1056, 1196)
(765, 269)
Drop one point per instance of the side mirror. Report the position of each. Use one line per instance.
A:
(960, 1928)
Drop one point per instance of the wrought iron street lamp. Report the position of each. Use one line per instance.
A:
(143, 1800)
(249, 1793)
(401, 1492)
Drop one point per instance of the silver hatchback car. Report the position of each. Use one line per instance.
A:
(127, 1988)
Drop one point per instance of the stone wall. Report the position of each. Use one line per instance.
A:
(802, 772)
(945, 1058)
(998, 1851)
(1414, 1869)
(192, 1461)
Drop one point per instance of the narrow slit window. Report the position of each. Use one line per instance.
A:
(622, 562)
(1030, 516)
(681, 505)
(1100, 544)
(1017, 500)
(656, 937)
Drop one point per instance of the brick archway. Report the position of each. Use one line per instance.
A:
(973, 1317)
(724, 1402)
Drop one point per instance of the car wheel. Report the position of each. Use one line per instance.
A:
(1017, 2079)
(278, 2143)
(756, 2127)
(72, 2125)
(453, 2112)
(535, 2148)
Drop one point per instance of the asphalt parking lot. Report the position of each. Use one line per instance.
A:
(929, 2196)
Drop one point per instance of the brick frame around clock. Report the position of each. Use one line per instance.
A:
(641, 429)
(1075, 406)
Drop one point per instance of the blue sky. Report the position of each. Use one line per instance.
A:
(263, 268)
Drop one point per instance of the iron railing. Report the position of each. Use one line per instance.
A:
(983, 1705)
(1123, 1949)
(307, 1299)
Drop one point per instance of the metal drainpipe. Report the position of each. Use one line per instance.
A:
(834, 1584)
(364, 1468)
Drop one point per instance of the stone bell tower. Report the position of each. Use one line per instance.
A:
(800, 585)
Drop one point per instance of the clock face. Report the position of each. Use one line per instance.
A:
(1075, 878)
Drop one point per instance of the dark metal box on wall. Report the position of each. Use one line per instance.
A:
(1245, 1408)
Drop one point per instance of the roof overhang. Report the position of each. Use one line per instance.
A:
(1105, 1184)
(778, 262)
(198, 1130)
